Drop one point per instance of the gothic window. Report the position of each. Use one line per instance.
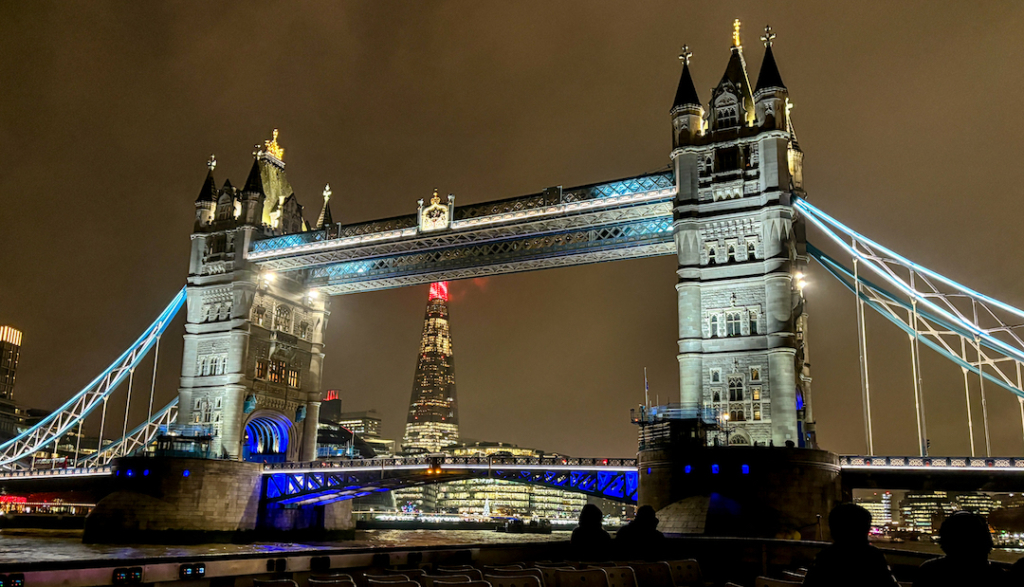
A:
(732, 254)
(732, 415)
(282, 318)
(755, 393)
(739, 416)
(204, 367)
(732, 324)
(218, 403)
(216, 417)
(717, 397)
(716, 376)
(711, 256)
(293, 378)
(735, 389)
(714, 326)
(261, 369)
(219, 364)
(225, 311)
(757, 414)
(753, 322)
(751, 250)
(755, 374)
(198, 403)
(259, 315)
(727, 117)
(206, 313)
(195, 418)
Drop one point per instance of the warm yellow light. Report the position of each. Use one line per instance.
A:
(801, 284)
(799, 276)
(269, 277)
(725, 417)
(736, 33)
(273, 148)
(313, 294)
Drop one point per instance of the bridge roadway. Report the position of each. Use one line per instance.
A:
(322, 482)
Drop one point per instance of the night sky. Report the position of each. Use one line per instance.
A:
(908, 112)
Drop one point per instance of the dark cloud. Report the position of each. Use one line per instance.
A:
(908, 113)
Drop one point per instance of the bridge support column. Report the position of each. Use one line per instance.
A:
(782, 382)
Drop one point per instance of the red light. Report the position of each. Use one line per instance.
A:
(13, 499)
(332, 394)
(439, 290)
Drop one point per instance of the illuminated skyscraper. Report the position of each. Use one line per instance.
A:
(433, 421)
(10, 349)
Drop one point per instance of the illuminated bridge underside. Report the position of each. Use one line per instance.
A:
(617, 480)
(626, 219)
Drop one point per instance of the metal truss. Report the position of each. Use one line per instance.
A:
(621, 241)
(62, 420)
(137, 439)
(963, 464)
(625, 192)
(326, 482)
(978, 333)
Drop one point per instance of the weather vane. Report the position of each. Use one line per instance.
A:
(212, 162)
(685, 55)
(736, 33)
(768, 35)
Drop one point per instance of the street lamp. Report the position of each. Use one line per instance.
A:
(725, 427)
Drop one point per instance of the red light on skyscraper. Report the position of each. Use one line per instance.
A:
(332, 394)
(439, 290)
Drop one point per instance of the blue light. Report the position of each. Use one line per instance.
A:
(117, 473)
(130, 473)
(145, 473)
(687, 469)
(746, 469)
(714, 469)
(648, 470)
(185, 473)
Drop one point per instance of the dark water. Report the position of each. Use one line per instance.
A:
(19, 546)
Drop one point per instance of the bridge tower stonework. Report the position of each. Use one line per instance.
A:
(741, 251)
(253, 352)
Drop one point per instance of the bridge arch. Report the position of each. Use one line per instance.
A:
(268, 437)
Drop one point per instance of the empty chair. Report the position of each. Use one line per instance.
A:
(274, 583)
(428, 580)
(793, 576)
(473, 574)
(453, 567)
(653, 574)
(518, 573)
(410, 573)
(512, 581)
(515, 567)
(768, 582)
(385, 578)
(405, 583)
(334, 581)
(582, 578)
(686, 573)
(550, 580)
(621, 576)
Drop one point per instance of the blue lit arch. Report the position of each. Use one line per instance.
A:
(267, 437)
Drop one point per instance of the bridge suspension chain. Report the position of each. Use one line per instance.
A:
(74, 411)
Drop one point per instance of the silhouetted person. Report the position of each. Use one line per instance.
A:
(1016, 575)
(966, 540)
(850, 561)
(640, 538)
(589, 540)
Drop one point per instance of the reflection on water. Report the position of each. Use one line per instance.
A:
(20, 546)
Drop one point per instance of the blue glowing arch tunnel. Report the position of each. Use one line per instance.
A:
(267, 437)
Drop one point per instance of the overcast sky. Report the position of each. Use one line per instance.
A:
(908, 112)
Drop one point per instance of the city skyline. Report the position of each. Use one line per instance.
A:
(543, 352)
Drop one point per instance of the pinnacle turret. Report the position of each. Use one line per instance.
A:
(769, 76)
(686, 93)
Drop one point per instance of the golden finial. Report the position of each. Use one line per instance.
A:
(736, 33)
(685, 55)
(273, 148)
(212, 162)
(768, 35)
(327, 192)
(436, 199)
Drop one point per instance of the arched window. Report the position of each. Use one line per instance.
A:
(732, 254)
(282, 318)
(711, 256)
(757, 414)
(739, 416)
(751, 250)
(225, 311)
(716, 397)
(732, 324)
(735, 389)
(204, 367)
(755, 393)
(732, 415)
(714, 326)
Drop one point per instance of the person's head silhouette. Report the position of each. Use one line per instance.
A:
(645, 517)
(965, 535)
(849, 523)
(590, 516)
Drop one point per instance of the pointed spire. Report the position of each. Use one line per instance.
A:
(686, 93)
(209, 191)
(254, 183)
(769, 76)
(325, 218)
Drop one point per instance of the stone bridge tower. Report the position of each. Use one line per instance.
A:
(742, 254)
(250, 373)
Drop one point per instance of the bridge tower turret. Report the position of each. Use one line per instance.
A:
(741, 255)
(253, 352)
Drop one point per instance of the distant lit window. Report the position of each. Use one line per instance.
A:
(293, 378)
(755, 374)
(755, 393)
(261, 369)
(757, 414)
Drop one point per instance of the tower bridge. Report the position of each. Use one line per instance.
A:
(731, 206)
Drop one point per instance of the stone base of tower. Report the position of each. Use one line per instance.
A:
(762, 492)
(188, 501)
